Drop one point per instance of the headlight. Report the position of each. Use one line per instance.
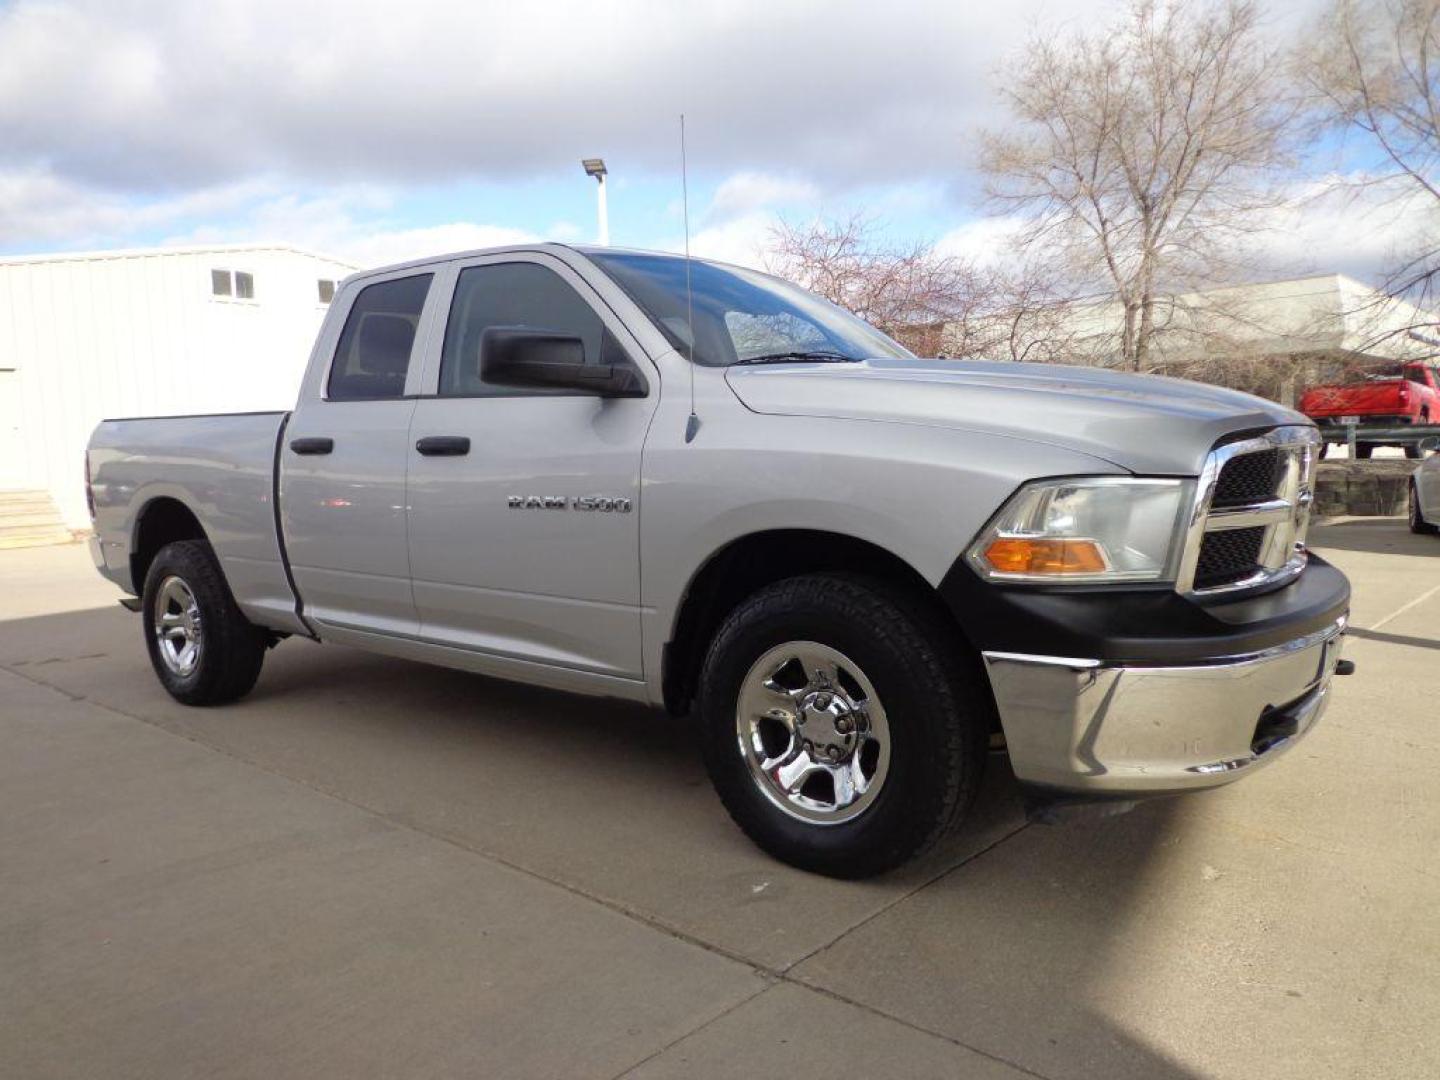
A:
(1097, 529)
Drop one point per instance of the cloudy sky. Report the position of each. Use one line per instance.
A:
(378, 130)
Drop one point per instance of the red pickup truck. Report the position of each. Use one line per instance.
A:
(1388, 396)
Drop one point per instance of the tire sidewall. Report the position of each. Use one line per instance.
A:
(913, 793)
(1416, 520)
(184, 560)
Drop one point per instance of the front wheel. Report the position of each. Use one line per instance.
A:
(843, 726)
(203, 650)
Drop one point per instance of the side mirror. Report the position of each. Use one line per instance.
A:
(550, 360)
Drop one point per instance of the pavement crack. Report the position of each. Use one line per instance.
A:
(629, 1069)
(919, 888)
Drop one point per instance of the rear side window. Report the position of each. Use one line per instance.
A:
(374, 351)
(515, 295)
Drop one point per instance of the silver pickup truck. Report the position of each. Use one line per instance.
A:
(694, 485)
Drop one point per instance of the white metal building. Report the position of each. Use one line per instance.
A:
(163, 331)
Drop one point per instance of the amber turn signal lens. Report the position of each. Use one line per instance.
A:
(1038, 555)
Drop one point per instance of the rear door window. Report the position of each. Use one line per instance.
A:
(373, 355)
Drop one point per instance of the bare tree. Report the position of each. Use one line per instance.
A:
(1020, 313)
(1375, 68)
(909, 290)
(1141, 153)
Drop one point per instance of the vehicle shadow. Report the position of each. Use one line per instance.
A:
(1004, 920)
(1003, 939)
(1376, 536)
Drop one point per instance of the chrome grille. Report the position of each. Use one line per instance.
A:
(1249, 478)
(1252, 510)
(1229, 556)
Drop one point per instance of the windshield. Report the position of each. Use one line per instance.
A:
(740, 315)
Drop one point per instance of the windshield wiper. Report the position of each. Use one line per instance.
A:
(824, 356)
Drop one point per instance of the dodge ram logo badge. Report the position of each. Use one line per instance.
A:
(602, 504)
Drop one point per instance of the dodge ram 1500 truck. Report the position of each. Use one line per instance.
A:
(695, 485)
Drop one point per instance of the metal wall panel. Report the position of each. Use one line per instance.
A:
(116, 334)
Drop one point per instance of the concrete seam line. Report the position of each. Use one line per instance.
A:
(776, 976)
(628, 1069)
(921, 887)
(1404, 608)
(864, 1007)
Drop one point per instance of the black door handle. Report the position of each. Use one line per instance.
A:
(444, 445)
(312, 445)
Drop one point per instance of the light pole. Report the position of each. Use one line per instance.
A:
(595, 167)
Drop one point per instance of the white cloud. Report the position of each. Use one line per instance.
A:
(1347, 224)
(351, 224)
(745, 192)
(38, 206)
(146, 96)
(741, 240)
(986, 241)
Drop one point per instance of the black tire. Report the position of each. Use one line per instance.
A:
(230, 647)
(1413, 451)
(1412, 513)
(939, 716)
(1363, 450)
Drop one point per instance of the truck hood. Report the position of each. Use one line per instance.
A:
(1144, 423)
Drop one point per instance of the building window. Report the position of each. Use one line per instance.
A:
(239, 284)
(326, 289)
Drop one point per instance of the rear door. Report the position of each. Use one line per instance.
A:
(343, 460)
(526, 545)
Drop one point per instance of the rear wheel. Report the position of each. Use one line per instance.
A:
(1418, 524)
(842, 725)
(1413, 451)
(1363, 450)
(203, 650)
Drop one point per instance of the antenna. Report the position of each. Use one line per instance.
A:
(692, 423)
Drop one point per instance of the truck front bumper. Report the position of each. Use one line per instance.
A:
(1103, 728)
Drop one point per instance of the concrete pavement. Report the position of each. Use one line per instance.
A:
(375, 868)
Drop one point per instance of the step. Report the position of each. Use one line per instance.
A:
(37, 516)
(14, 495)
(23, 538)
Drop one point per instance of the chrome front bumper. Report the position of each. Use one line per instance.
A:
(1090, 727)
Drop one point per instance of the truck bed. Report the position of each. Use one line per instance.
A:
(220, 468)
(1354, 399)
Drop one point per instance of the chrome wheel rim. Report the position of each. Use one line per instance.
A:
(178, 635)
(813, 733)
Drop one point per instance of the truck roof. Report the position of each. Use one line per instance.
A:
(550, 246)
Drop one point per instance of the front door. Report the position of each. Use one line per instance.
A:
(342, 468)
(526, 545)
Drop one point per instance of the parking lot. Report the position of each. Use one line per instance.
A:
(374, 868)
